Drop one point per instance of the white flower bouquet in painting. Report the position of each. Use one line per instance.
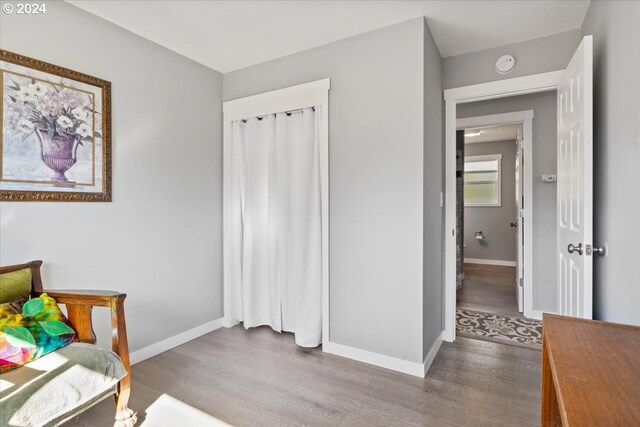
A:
(62, 118)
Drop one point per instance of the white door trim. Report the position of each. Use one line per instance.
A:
(291, 98)
(503, 88)
(526, 118)
(484, 91)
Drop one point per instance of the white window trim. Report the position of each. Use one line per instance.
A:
(481, 158)
(291, 98)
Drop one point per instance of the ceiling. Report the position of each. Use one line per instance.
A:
(492, 133)
(228, 35)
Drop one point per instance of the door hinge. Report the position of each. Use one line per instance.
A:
(521, 282)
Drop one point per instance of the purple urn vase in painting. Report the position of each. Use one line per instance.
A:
(58, 152)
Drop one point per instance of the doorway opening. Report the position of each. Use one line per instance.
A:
(494, 226)
(490, 210)
(574, 246)
(269, 223)
(545, 82)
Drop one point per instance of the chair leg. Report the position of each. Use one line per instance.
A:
(125, 417)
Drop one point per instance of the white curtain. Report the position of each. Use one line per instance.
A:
(276, 243)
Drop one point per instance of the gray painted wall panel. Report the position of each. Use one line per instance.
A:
(160, 240)
(432, 183)
(616, 156)
(540, 55)
(544, 195)
(493, 221)
(375, 179)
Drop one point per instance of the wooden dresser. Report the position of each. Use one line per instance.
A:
(590, 373)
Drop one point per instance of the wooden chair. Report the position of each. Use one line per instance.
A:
(79, 304)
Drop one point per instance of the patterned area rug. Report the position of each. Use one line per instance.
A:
(502, 329)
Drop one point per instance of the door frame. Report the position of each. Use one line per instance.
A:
(305, 95)
(526, 119)
(535, 83)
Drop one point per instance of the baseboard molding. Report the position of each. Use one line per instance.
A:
(489, 262)
(228, 323)
(388, 362)
(174, 341)
(433, 352)
(534, 314)
(393, 363)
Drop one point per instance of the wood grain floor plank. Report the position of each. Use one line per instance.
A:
(490, 289)
(261, 378)
(142, 397)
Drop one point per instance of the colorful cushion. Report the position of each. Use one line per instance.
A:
(30, 329)
(15, 286)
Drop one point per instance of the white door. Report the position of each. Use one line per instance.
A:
(520, 221)
(575, 186)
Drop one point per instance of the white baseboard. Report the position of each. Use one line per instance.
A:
(174, 341)
(228, 323)
(431, 355)
(534, 314)
(489, 262)
(393, 363)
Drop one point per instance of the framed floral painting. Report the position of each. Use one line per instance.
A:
(55, 140)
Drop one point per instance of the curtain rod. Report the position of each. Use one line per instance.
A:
(288, 113)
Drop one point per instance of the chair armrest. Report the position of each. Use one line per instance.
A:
(84, 297)
(79, 305)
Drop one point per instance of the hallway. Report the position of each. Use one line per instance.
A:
(489, 289)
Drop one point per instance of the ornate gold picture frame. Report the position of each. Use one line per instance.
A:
(55, 139)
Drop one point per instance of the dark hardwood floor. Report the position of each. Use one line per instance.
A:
(489, 288)
(261, 378)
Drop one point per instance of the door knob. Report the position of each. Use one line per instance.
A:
(571, 248)
(596, 250)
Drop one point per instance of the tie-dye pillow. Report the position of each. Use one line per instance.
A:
(29, 329)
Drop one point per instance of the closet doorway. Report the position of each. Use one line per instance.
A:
(275, 211)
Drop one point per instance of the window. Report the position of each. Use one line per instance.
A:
(482, 178)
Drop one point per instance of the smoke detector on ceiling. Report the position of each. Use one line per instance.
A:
(505, 64)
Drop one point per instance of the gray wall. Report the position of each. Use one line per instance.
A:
(432, 186)
(493, 221)
(375, 179)
(540, 55)
(614, 26)
(544, 195)
(160, 239)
